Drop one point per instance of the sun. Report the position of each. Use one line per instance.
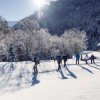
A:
(40, 3)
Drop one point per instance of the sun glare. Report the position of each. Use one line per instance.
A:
(39, 3)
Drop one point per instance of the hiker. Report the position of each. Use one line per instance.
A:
(59, 61)
(65, 57)
(36, 61)
(77, 58)
(92, 58)
(86, 58)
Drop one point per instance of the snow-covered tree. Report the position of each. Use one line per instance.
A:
(74, 41)
(27, 39)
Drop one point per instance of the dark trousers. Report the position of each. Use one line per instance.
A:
(92, 61)
(77, 61)
(35, 69)
(64, 63)
(59, 67)
(86, 61)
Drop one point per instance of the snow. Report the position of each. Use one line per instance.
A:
(76, 82)
(98, 44)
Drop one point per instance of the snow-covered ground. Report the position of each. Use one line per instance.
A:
(75, 82)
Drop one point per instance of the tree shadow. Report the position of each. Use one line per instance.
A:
(3, 68)
(86, 69)
(71, 73)
(94, 66)
(62, 75)
(34, 80)
(16, 78)
(6, 77)
(7, 70)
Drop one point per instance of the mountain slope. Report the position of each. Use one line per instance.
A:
(62, 15)
(27, 24)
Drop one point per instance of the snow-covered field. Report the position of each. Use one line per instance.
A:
(75, 82)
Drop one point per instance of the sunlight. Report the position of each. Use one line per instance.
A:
(39, 3)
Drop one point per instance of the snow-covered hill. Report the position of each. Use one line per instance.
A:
(75, 82)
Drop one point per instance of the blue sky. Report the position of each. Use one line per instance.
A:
(14, 10)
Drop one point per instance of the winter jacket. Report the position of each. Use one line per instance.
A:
(65, 57)
(77, 56)
(59, 59)
(36, 60)
(92, 57)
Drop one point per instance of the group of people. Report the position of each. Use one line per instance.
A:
(58, 58)
(86, 58)
(65, 57)
(92, 57)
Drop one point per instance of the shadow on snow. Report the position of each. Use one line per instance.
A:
(34, 80)
(62, 75)
(71, 73)
(94, 66)
(86, 69)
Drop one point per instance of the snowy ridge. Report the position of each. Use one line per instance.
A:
(74, 82)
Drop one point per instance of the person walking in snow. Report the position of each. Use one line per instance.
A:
(59, 61)
(77, 58)
(86, 58)
(92, 58)
(65, 57)
(36, 61)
